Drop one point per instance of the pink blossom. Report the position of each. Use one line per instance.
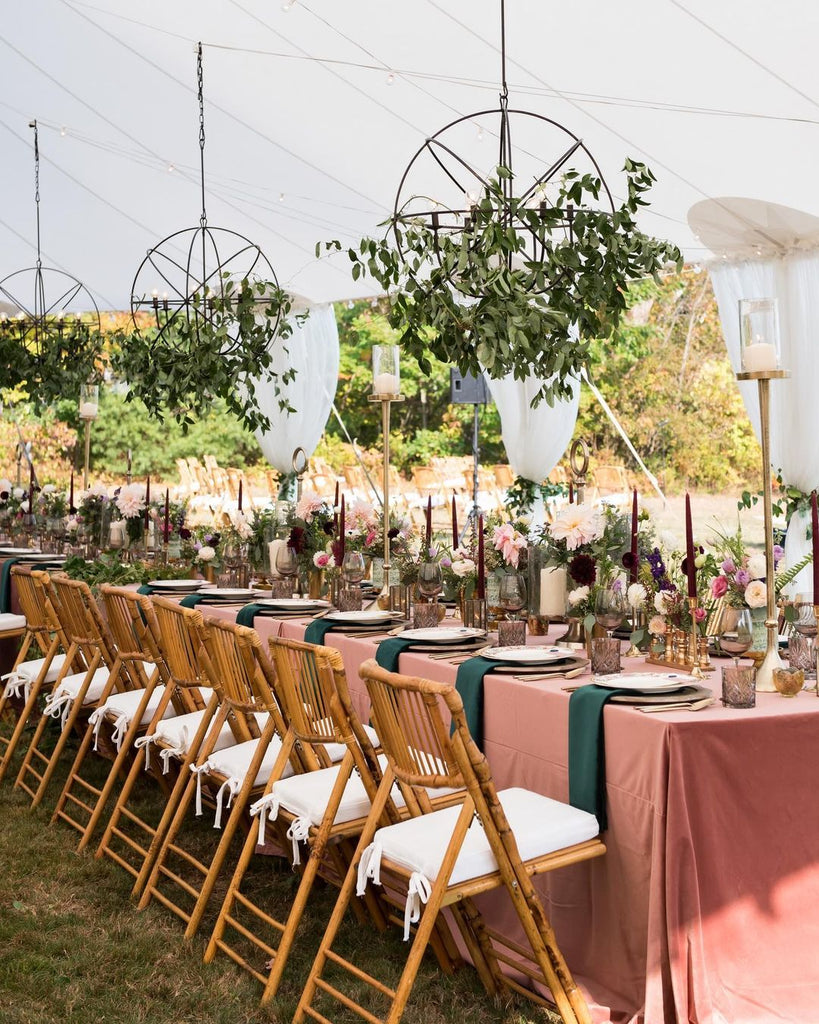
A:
(728, 566)
(719, 586)
(509, 542)
(309, 504)
(778, 553)
(321, 559)
(742, 578)
(699, 615)
(371, 538)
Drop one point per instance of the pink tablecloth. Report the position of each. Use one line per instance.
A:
(706, 906)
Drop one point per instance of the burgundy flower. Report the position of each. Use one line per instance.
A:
(338, 551)
(329, 529)
(583, 570)
(393, 532)
(296, 540)
(4, 495)
(185, 533)
(630, 561)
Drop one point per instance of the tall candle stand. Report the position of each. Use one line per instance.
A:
(579, 464)
(764, 674)
(88, 409)
(386, 401)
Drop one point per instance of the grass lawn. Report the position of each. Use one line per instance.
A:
(75, 950)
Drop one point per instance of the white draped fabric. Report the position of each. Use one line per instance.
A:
(793, 280)
(313, 350)
(534, 439)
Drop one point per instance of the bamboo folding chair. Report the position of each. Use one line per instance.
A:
(170, 744)
(240, 672)
(71, 608)
(173, 638)
(325, 807)
(134, 693)
(443, 858)
(28, 679)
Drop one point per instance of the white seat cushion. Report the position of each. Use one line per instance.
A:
(336, 751)
(234, 762)
(27, 671)
(10, 621)
(540, 826)
(59, 701)
(178, 732)
(121, 708)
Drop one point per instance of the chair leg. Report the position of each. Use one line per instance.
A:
(22, 722)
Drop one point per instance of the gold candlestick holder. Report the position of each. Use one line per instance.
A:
(386, 401)
(637, 621)
(684, 649)
(763, 378)
(579, 464)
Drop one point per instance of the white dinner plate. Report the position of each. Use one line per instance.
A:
(445, 635)
(363, 617)
(646, 682)
(177, 585)
(293, 604)
(37, 556)
(230, 594)
(525, 655)
(12, 552)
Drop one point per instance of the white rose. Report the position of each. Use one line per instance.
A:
(24, 505)
(756, 594)
(5, 485)
(463, 567)
(49, 489)
(636, 595)
(207, 554)
(661, 602)
(578, 595)
(756, 566)
(18, 492)
(657, 625)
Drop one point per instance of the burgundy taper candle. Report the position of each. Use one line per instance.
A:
(634, 565)
(571, 493)
(814, 519)
(71, 493)
(481, 592)
(429, 526)
(691, 568)
(454, 523)
(239, 501)
(147, 501)
(335, 502)
(166, 536)
(30, 489)
(341, 530)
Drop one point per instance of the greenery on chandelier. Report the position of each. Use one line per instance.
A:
(214, 349)
(46, 362)
(478, 299)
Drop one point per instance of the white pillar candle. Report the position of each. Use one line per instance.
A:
(88, 411)
(272, 551)
(386, 384)
(759, 357)
(553, 592)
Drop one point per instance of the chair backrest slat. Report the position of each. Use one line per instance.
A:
(76, 610)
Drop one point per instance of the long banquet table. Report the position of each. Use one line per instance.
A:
(706, 905)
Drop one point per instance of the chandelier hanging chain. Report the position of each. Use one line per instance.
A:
(203, 220)
(33, 124)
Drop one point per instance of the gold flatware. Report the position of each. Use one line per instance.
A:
(694, 705)
(571, 673)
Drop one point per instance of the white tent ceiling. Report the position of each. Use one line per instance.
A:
(307, 143)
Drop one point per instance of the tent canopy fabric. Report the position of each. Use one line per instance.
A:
(315, 108)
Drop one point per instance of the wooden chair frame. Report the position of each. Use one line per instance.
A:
(239, 672)
(171, 638)
(71, 609)
(421, 754)
(128, 622)
(50, 640)
(313, 686)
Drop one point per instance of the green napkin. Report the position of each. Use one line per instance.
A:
(145, 589)
(587, 750)
(246, 614)
(192, 600)
(469, 684)
(389, 651)
(5, 584)
(317, 630)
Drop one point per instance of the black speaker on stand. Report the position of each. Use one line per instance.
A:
(465, 389)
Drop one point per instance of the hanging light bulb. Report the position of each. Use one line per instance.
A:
(286, 6)
(480, 134)
(62, 131)
(171, 168)
(281, 197)
(390, 78)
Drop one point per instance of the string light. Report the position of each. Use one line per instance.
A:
(281, 197)
(480, 134)
(62, 131)
(390, 78)
(171, 168)
(286, 6)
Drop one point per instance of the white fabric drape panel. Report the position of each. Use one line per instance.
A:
(794, 281)
(313, 350)
(534, 439)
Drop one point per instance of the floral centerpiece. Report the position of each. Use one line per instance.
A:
(92, 508)
(12, 500)
(130, 503)
(312, 528)
(52, 503)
